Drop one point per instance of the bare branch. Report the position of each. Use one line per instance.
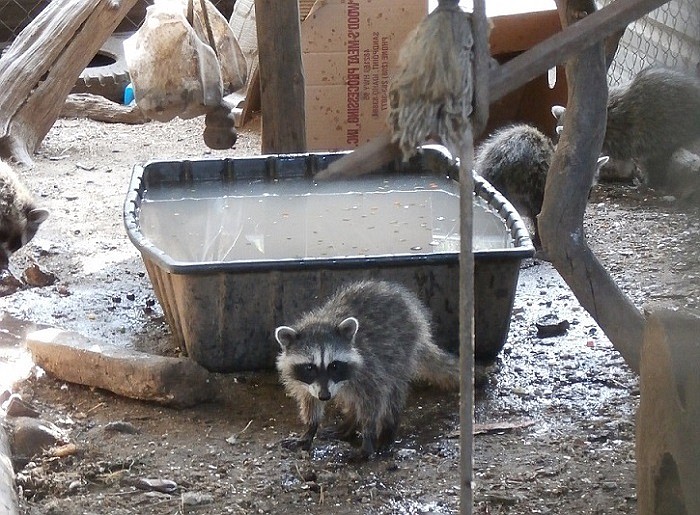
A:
(560, 223)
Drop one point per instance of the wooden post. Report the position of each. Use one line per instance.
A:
(478, 121)
(281, 76)
(668, 438)
(42, 65)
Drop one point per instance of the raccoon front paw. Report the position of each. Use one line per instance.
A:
(344, 432)
(360, 456)
(295, 444)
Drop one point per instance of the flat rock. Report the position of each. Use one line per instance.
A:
(31, 436)
(72, 357)
(16, 407)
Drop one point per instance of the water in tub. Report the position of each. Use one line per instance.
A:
(299, 219)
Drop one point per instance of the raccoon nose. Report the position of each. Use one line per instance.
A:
(324, 395)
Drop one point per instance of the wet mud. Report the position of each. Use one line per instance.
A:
(554, 421)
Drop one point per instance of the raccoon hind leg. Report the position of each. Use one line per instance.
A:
(655, 169)
(389, 423)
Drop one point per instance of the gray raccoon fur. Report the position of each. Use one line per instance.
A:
(515, 160)
(361, 350)
(19, 216)
(649, 118)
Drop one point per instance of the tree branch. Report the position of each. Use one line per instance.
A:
(560, 224)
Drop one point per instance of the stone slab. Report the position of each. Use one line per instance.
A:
(72, 357)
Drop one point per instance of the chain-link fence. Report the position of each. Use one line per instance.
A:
(668, 36)
(15, 15)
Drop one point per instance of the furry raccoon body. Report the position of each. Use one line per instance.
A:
(361, 350)
(515, 160)
(19, 216)
(649, 118)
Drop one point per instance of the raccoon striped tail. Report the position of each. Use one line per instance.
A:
(437, 367)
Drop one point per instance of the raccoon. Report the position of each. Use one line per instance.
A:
(515, 160)
(361, 350)
(649, 118)
(19, 216)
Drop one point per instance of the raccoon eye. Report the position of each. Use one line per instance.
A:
(339, 371)
(306, 373)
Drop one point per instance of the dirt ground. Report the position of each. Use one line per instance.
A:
(556, 418)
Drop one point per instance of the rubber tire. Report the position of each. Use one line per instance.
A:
(108, 80)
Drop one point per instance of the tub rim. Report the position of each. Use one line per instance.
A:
(523, 244)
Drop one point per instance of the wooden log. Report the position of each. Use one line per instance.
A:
(41, 66)
(281, 76)
(668, 440)
(97, 107)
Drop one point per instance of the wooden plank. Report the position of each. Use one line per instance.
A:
(281, 76)
(8, 494)
(572, 40)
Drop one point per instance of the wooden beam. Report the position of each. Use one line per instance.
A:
(572, 39)
(281, 76)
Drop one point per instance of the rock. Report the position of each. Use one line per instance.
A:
(9, 284)
(69, 356)
(16, 407)
(35, 276)
(196, 498)
(165, 486)
(30, 436)
(119, 426)
(550, 325)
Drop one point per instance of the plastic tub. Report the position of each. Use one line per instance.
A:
(235, 247)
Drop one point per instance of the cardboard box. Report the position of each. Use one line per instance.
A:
(349, 52)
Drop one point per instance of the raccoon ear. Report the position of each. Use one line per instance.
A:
(37, 216)
(558, 112)
(602, 161)
(285, 336)
(348, 328)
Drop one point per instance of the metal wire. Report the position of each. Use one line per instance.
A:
(668, 36)
(15, 15)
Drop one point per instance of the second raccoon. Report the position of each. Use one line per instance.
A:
(649, 118)
(515, 160)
